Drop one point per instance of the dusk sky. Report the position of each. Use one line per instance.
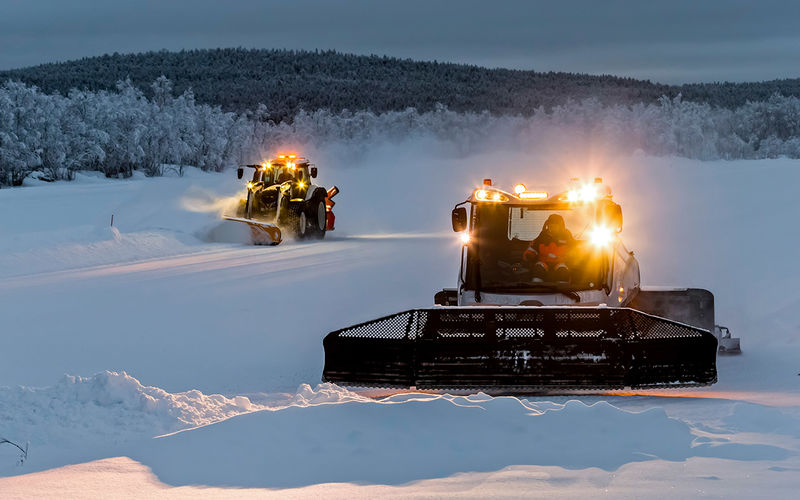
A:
(670, 42)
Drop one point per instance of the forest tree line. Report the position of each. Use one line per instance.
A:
(286, 81)
(51, 136)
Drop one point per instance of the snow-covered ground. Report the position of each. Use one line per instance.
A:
(164, 353)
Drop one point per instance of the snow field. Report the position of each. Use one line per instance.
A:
(216, 331)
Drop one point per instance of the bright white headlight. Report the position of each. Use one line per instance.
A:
(588, 193)
(600, 236)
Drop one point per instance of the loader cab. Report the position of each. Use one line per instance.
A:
(284, 168)
(511, 255)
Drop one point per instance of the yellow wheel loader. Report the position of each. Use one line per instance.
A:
(282, 197)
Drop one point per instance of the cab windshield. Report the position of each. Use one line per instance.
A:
(278, 174)
(282, 174)
(535, 248)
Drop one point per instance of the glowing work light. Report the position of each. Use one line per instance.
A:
(534, 195)
(586, 193)
(600, 236)
(486, 195)
(522, 192)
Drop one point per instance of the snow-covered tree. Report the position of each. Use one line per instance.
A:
(117, 132)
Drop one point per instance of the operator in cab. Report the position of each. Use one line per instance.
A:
(283, 175)
(549, 252)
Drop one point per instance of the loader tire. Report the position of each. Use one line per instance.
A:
(297, 223)
(318, 219)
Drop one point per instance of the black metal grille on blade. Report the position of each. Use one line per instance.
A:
(653, 327)
(396, 326)
(590, 322)
(521, 347)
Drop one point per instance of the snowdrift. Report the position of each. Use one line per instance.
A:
(407, 438)
(329, 434)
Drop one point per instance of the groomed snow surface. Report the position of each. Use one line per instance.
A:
(165, 357)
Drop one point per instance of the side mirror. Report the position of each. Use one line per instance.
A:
(313, 172)
(459, 219)
(240, 172)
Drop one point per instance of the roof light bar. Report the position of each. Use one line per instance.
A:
(533, 195)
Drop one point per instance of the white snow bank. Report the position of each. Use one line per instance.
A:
(107, 407)
(324, 394)
(416, 436)
(114, 405)
(88, 246)
(330, 434)
(82, 416)
(56, 226)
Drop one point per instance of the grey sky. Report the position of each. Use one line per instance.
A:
(666, 41)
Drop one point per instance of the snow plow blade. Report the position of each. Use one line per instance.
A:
(261, 233)
(520, 349)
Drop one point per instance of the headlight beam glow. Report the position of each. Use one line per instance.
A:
(600, 236)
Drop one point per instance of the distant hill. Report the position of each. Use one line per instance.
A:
(286, 81)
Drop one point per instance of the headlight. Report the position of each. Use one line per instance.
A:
(600, 236)
(586, 193)
(250, 185)
(486, 195)
(465, 238)
(301, 185)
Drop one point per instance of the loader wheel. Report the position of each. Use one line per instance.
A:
(319, 220)
(302, 226)
(297, 223)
